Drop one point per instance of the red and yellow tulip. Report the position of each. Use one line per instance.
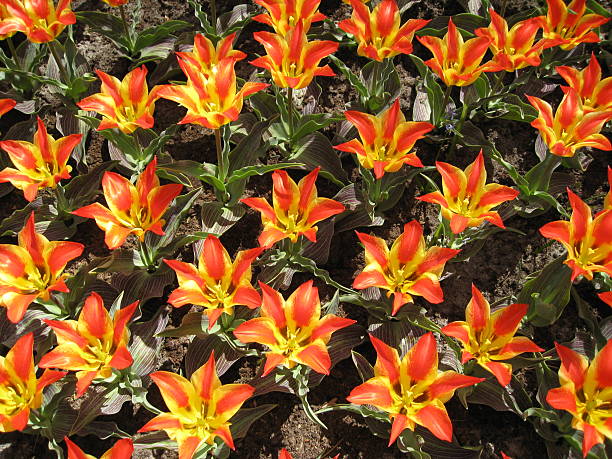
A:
(568, 26)
(122, 449)
(126, 105)
(570, 127)
(295, 210)
(116, 2)
(408, 269)
(284, 15)
(292, 329)
(489, 338)
(457, 62)
(92, 345)
(20, 391)
(217, 284)
(292, 60)
(131, 209)
(4, 14)
(205, 57)
(378, 32)
(6, 105)
(42, 164)
(588, 241)
(199, 408)
(40, 20)
(595, 93)
(386, 140)
(466, 201)
(412, 390)
(585, 392)
(33, 269)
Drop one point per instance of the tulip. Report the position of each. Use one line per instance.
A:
(122, 449)
(6, 105)
(33, 269)
(457, 62)
(292, 60)
(407, 270)
(4, 14)
(588, 241)
(295, 210)
(92, 345)
(284, 15)
(606, 297)
(412, 391)
(490, 338)
(40, 20)
(292, 329)
(42, 164)
(378, 32)
(467, 201)
(20, 391)
(217, 284)
(586, 393)
(570, 128)
(205, 57)
(199, 408)
(595, 93)
(568, 26)
(131, 209)
(116, 2)
(126, 105)
(386, 140)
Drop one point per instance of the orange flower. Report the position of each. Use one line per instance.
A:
(42, 164)
(292, 329)
(131, 209)
(33, 269)
(571, 127)
(595, 93)
(20, 391)
(588, 241)
(467, 201)
(490, 338)
(217, 283)
(116, 3)
(40, 20)
(122, 449)
(199, 408)
(292, 60)
(284, 15)
(413, 391)
(585, 392)
(7, 105)
(4, 14)
(126, 105)
(568, 25)
(457, 62)
(606, 297)
(296, 208)
(407, 270)
(378, 32)
(92, 345)
(386, 140)
(205, 57)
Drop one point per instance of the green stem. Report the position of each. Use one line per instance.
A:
(447, 94)
(499, 82)
(13, 50)
(290, 114)
(213, 14)
(220, 156)
(52, 45)
(144, 254)
(451, 150)
(126, 29)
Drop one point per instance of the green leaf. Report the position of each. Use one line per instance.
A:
(307, 265)
(82, 189)
(217, 219)
(435, 95)
(154, 34)
(146, 344)
(201, 348)
(350, 75)
(364, 368)
(316, 150)
(241, 422)
(259, 169)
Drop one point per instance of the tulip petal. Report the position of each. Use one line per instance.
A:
(316, 357)
(449, 381)
(436, 420)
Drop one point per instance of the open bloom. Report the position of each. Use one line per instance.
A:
(205, 57)
(292, 60)
(126, 105)
(292, 329)
(295, 210)
(42, 164)
(595, 93)
(457, 62)
(217, 283)
(386, 140)
(570, 127)
(33, 269)
(131, 209)
(40, 20)
(7, 105)
(92, 345)
(586, 392)
(283, 15)
(20, 391)
(200, 408)
(408, 269)
(413, 391)
(568, 25)
(588, 241)
(378, 32)
(123, 449)
(489, 338)
(467, 201)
